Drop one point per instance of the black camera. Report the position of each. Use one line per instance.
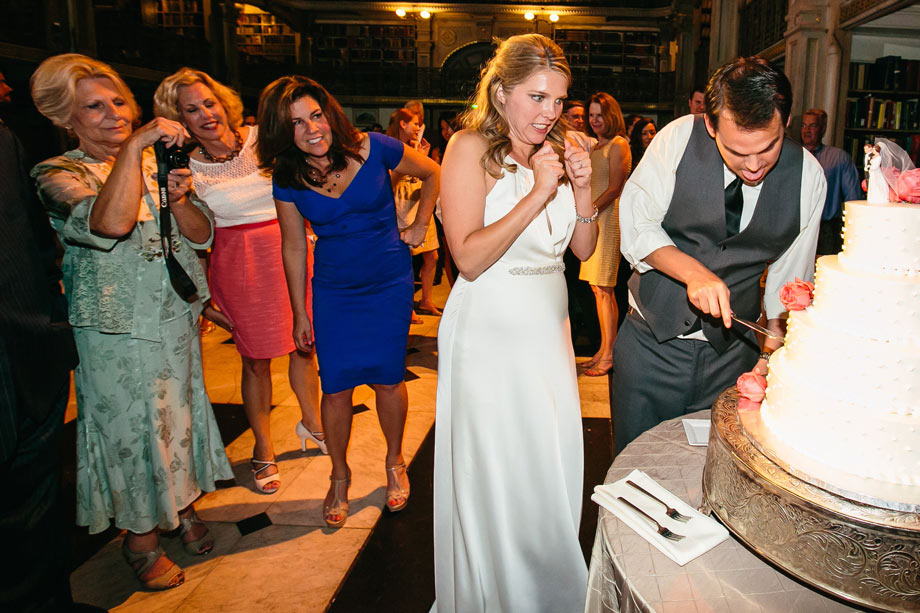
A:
(171, 157)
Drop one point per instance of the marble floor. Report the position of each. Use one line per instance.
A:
(274, 552)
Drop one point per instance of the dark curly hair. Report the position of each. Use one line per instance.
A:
(752, 90)
(275, 147)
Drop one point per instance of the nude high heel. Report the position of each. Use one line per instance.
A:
(395, 493)
(338, 506)
(303, 434)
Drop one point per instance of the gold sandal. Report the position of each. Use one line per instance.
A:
(395, 493)
(142, 561)
(337, 507)
(198, 547)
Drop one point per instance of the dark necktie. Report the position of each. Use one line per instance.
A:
(734, 202)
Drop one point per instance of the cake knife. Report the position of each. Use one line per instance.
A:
(758, 328)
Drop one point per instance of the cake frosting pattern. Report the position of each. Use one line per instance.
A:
(844, 390)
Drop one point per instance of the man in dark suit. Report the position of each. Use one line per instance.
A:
(716, 199)
(37, 353)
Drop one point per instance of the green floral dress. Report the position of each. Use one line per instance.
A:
(147, 440)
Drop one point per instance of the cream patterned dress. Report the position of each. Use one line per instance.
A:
(601, 268)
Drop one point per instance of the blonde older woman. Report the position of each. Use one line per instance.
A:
(246, 272)
(147, 441)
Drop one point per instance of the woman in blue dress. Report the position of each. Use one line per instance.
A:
(337, 179)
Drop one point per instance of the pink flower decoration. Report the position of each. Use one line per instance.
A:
(746, 404)
(797, 295)
(907, 188)
(752, 386)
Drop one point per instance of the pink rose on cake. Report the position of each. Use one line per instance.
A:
(797, 295)
(907, 188)
(752, 386)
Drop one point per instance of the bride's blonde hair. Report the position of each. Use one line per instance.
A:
(515, 61)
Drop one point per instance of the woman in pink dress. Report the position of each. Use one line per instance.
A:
(248, 287)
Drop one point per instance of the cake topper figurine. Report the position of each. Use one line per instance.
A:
(877, 187)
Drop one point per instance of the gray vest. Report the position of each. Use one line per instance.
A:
(695, 221)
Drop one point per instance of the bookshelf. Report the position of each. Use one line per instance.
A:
(622, 63)
(379, 58)
(883, 101)
(263, 37)
(183, 16)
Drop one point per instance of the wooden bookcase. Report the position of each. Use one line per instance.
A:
(263, 37)
(184, 16)
(369, 57)
(883, 101)
(621, 63)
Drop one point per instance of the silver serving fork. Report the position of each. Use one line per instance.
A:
(661, 529)
(671, 512)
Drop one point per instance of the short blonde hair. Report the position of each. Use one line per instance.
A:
(515, 60)
(54, 85)
(166, 98)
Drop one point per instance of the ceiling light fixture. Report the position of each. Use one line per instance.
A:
(401, 13)
(553, 17)
(529, 16)
(424, 14)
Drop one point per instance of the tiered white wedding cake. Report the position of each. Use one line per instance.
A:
(843, 393)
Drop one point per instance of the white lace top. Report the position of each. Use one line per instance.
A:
(236, 191)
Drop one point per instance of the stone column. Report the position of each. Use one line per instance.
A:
(230, 52)
(813, 60)
(723, 41)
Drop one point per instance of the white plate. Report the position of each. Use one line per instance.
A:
(697, 431)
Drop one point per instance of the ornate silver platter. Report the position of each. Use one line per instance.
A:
(867, 555)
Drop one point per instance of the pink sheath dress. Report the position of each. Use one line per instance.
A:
(246, 271)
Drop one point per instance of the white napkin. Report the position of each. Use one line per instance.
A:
(701, 533)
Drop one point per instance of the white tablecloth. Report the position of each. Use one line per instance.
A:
(628, 575)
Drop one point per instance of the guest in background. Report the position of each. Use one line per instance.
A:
(643, 133)
(404, 126)
(610, 166)
(36, 354)
(842, 180)
(246, 274)
(696, 104)
(574, 114)
(631, 121)
(416, 107)
(376, 127)
(508, 439)
(5, 90)
(716, 199)
(449, 126)
(362, 284)
(147, 441)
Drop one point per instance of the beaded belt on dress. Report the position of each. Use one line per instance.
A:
(537, 270)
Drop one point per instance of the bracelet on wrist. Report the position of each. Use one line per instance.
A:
(591, 219)
(765, 355)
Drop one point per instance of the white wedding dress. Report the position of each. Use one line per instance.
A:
(508, 438)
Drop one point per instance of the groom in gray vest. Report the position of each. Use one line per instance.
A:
(717, 199)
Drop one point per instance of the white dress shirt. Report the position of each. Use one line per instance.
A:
(647, 196)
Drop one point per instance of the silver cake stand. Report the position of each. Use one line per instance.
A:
(864, 554)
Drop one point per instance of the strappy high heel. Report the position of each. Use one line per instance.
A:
(200, 546)
(142, 561)
(303, 434)
(338, 506)
(262, 482)
(395, 493)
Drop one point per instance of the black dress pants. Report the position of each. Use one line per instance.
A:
(653, 382)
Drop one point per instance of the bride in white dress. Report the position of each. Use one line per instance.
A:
(508, 436)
